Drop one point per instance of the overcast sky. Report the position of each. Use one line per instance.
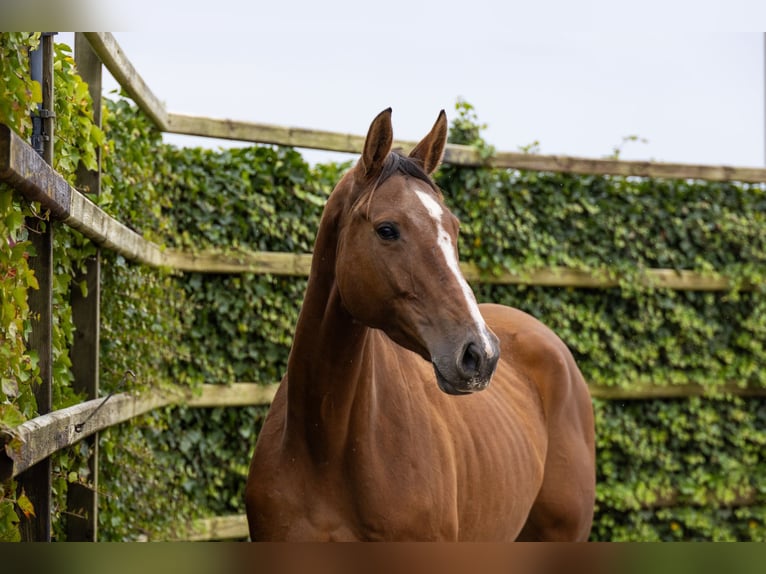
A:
(576, 76)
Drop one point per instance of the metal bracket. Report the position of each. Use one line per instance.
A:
(79, 426)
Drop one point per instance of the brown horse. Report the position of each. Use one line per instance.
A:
(378, 431)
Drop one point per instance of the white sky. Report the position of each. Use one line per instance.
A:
(577, 76)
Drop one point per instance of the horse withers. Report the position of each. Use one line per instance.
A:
(408, 411)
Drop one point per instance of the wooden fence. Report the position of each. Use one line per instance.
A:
(28, 448)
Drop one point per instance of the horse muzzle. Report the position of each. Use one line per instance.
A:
(469, 370)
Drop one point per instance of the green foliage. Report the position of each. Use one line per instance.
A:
(679, 469)
(19, 95)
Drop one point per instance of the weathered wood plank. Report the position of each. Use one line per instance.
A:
(36, 482)
(298, 264)
(81, 518)
(115, 60)
(22, 168)
(236, 395)
(244, 394)
(647, 391)
(457, 154)
(264, 133)
(591, 166)
(680, 280)
(94, 223)
(37, 439)
(219, 528)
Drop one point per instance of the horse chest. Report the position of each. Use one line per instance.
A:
(355, 500)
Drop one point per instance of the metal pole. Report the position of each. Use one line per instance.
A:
(37, 481)
(36, 73)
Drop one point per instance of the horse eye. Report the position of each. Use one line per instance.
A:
(387, 232)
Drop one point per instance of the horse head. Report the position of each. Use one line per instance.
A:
(396, 264)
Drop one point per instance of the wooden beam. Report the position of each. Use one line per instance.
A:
(235, 395)
(264, 133)
(300, 265)
(251, 394)
(456, 154)
(22, 168)
(297, 264)
(36, 439)
(648, 391)
(90, 220)
(680, 280)
(590, 166)
(219, 528)
(81, 518)
(115, 60)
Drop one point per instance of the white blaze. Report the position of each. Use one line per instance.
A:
(445, 244)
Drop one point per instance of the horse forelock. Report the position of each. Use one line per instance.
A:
(395, 164)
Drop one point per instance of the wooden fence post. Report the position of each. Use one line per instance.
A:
(37, 481)
(82, 500)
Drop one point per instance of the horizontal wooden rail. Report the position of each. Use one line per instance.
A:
(646, 391)
(457, 154)
(590, 166)
(253, 394)
(234, 395)
(268, 134)
(40, 437)
(233, 527)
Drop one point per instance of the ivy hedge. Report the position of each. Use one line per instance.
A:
(682, 469)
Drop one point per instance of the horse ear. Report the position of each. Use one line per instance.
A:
(431, 148)
(377, 144)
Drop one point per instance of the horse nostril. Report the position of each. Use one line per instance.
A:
(470, 361)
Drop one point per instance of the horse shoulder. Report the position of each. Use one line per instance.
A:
(538, 354)
(564, 507)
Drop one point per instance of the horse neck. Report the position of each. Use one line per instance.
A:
(327, 363)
